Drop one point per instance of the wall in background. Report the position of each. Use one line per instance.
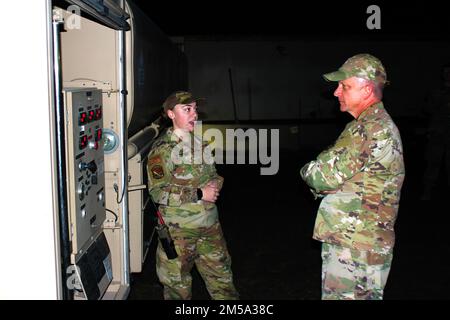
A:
(282, 79)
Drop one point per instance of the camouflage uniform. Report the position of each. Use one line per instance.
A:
(356, 223)
(347, 275)
(194, 224)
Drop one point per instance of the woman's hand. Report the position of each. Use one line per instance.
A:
(210, 192)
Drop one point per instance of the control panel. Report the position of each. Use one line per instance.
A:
(85, 165)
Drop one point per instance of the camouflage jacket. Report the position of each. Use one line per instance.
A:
(365, 168)
(173, 184)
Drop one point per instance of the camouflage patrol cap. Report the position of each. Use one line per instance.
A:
(179, 97)
(361, 65)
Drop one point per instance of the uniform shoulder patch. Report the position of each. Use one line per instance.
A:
(155, 159)
(156, 169)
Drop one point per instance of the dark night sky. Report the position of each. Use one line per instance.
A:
(295, 18)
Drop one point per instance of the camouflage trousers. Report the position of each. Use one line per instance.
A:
(204, 247)
(349, 274)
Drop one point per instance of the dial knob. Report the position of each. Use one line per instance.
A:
(92, 166)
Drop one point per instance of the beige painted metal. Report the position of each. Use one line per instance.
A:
(90, 54)
(136, 221)
(90, 58)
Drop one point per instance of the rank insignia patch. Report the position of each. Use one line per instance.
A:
(157, 172)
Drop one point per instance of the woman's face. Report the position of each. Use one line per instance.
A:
(183, 116)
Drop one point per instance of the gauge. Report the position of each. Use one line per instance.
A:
(110, 141)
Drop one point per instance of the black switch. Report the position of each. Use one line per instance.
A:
(92, 166)
(94, 179)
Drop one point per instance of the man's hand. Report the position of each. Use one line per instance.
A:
(210, 192)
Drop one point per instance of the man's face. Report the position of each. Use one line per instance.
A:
(350, 94)
(184, 116)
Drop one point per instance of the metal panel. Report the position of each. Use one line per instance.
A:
(107, 11)
(159, 68)
(85, 165)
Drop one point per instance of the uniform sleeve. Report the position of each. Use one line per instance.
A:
(338, 163)
(209, 169)
(210, 174)
(166, 185)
